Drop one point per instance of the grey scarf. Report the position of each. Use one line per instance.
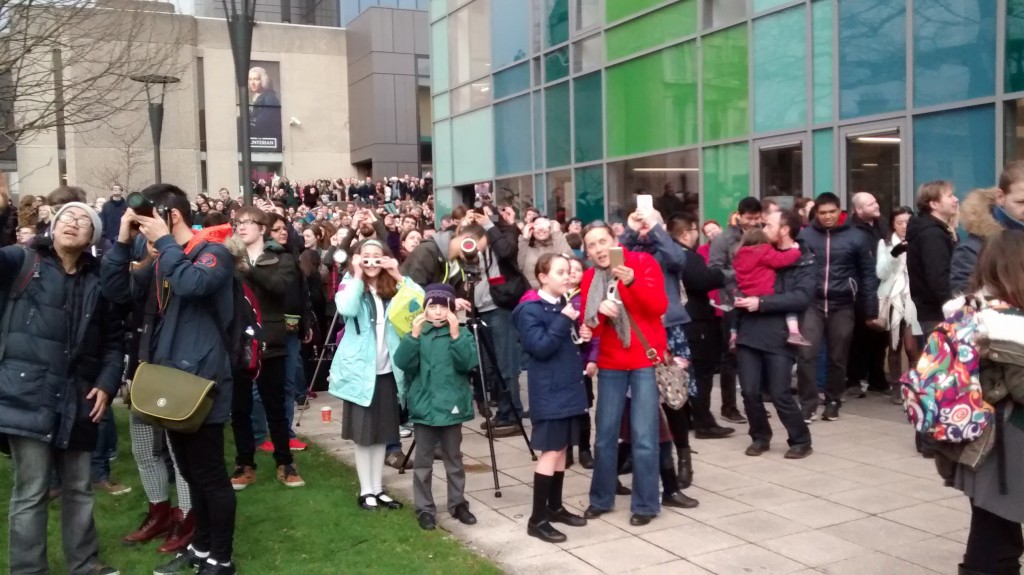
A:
(597, 294)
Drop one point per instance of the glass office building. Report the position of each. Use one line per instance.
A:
(575, 106)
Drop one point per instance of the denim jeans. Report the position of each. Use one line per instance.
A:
(505, 339)
(106, 445)
(34, 462)
(612, 385)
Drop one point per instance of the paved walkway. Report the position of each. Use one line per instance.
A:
(863, 503)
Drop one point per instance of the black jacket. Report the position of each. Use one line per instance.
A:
(845, 267)
(877, 231)
(699, 279)
(765, 330)
(929, 254)
(272, 275)
(111, 215)
(47, 370)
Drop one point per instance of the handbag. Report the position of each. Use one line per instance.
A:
(170, 398)
(673, 380)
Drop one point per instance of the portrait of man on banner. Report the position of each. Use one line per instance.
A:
(264, 107)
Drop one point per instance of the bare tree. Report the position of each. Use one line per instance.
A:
(130, 152)
(69, 63)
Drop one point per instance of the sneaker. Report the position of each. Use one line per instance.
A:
(810, 415)
(831, 411)
(734, 417)
(288, 475)
(111, 487)
(302, 405)
(211, 567)
(243, 477)
(267, 446)
(295, 445)
(404, 432)
(797, 338)
(184, 563)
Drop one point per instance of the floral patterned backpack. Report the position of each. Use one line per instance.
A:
(942, 395)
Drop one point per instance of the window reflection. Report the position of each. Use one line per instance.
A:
(587, 13)
(561, 198)
(671, 178)
(510, 29)
(872, 57)
(954, 51)
(873, 166)
(721, 12)
(469, 42)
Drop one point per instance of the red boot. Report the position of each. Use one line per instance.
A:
(181, 534)
(157, 522)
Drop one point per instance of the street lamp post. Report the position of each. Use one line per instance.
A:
(241, 17)
(156, 110)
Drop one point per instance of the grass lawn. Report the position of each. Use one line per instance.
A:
(310, 530)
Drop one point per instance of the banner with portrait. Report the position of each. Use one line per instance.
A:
(264, 106)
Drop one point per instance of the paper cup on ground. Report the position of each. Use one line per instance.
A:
(325, 413)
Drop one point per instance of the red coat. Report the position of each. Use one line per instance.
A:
(755, 268)
(646, 302)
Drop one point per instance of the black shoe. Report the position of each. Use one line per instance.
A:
(716, 432)
(684, 473)
(525, 414)
(384, 500)
(831, 411)
(563, 515)
(364, 502)
(545, 532)
(798, 452)
(586, 459)
(593, 512)
(640, 520)
(507, 430)
(183, 563)
(679, 499)
(463, 514)
(426, 520)
(621, 489)
(214, 568)
(756, 449)
(734, 417)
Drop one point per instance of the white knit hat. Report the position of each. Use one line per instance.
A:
(97, 225)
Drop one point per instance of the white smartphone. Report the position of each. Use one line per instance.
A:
(644, 202)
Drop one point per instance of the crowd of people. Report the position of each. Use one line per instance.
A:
(588, 312)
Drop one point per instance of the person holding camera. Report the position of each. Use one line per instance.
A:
(189, 302)
(437, 357)
(363, 372)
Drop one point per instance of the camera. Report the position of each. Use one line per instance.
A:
(470, 259)
(140, 204)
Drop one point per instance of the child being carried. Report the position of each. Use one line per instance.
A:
(755, 263)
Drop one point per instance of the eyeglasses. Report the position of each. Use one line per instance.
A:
(244, 222)
(83, 222)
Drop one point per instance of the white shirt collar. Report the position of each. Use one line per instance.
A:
(547, 297)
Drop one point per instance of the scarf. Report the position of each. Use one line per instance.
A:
(1005, 219)
(597, 294)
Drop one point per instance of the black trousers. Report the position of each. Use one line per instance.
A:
(867, 357)
(762, 372)
(705, 339)
(200, 456)
(270, 384)
(994, 545)
(836, 328)
(727, 367)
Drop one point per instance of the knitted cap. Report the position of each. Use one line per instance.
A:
(97, 225)
(440, 293)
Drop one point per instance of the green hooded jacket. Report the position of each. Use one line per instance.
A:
(437, 375)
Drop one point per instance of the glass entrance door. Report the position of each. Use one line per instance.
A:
(874, 160)
(780, 169)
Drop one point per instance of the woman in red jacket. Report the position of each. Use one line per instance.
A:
(618, 302)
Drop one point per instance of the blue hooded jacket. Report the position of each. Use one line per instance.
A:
(554, 378)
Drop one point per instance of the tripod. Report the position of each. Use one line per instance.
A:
(485, 347)
(316, 372)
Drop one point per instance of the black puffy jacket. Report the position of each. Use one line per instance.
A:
(929, 255)
(47, 371)
(845, 274)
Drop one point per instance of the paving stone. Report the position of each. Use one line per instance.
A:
(924, 489)
(817, 513)
(870, 475)
(746, 559)
(557, 562)
(623, 555)
(757, 526)
(814, 548)
(819, 484)
(936, 554)
(876, 563)
(872, 500)
(677, 567)
(619, 517)
(766, 495)
(935, 519)
(876, 533)
(719, 479)
(691, 540)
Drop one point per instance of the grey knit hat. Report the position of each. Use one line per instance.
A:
(97, 225)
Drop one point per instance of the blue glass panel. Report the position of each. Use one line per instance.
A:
(954, 50)
(512, 81)
(824, 162)
(780, 70)
(959, 145)
(590, 193)
(824, 70)
(512, 131)
(558, 132)
(872, 57)
(510, 31)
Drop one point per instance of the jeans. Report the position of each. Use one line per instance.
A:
(201, 458)
(612, 385)
(34, 462)
(762, 372)
(705, 342)
(836, 329)
(994, 544)
(106, 445)
(505, 340)
(270, 384)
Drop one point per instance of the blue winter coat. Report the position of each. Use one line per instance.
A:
(554, 378)
(353, 372)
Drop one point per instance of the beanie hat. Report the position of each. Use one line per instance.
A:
(440, 293)
(97, 225)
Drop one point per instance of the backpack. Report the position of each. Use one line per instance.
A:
(244, 337)
(942, 395)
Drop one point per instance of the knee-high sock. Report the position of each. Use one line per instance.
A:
(541, 494)
(364, 468)
(555, 497)
(377, 454)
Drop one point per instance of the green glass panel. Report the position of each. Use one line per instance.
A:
(439, 56)
(443, 153)
(726, 179)
(558, 134)
(824, 72)
(473, 145)
(824, 162)
(589, 135)
(726, 90)
(512, 144)
(762, 5)
(555, 21)
(556, 65)
(1014, 74)
(512, 81)
(652, 101)
(442, 105)
(590, 193)
(444, 201)
(618, 9)
(538, 131)
(780, 71)
(650, 30)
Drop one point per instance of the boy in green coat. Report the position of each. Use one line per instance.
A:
(437, 356)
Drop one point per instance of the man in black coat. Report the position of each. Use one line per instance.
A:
(845, 270)
(764, 358)
(930, 244)
(112, 212)
(868, 346)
